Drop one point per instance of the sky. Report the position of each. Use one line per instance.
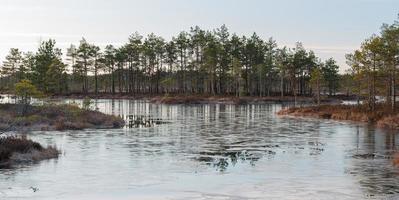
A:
(331, 28)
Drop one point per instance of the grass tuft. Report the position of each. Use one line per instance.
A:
(20, 149)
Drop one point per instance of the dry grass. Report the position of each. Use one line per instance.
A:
(15, 150)
(204, 99)
(395, 160)
(382, 116)
(55, 117)
(390, 122)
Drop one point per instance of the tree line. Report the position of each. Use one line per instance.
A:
(196, 62)
(374, 67)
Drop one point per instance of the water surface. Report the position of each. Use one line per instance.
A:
(211, 152)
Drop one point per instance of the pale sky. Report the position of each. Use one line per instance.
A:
(331, 28)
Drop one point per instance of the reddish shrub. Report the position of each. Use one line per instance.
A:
(383, 116)
(391, 122)
(395, 160)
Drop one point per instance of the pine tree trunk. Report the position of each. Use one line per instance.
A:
(282, 84)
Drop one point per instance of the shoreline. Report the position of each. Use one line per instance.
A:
(16, 149)
(206, 99)
(381, 118)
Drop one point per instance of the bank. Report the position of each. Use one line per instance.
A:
(49, 117)
(205, 99)
(382, 117)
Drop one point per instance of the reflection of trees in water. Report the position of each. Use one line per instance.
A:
(218, 135)
(371, 162)
(227, 137)
(246, 134)
(221, 160)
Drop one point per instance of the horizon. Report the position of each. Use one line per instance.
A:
(316, 24)
(178, 99)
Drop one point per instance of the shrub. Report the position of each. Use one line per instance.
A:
(396, 160)
(10, 145)
(25, 90)
(382, 116)
(391, 122)
(87, 103)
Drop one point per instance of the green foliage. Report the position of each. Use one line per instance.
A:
(316, 81)
(25, 90)
(87, 103)
(374, 66)
(237, 77)
(195, 62)
(56, 78)
(44, 58)
(330, 75)
(317, 76)
(11, 66)
(168, 82)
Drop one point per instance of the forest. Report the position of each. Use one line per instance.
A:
(372, 78)
(201, 62)
(197, 62)
(374, 67)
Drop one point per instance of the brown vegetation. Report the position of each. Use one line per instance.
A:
(391, 122)
(383, 116)
(15, 150)
(204, 99)
(396, 160)
(229, 99)
(54, 117)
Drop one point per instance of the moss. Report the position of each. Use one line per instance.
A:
(28, 120)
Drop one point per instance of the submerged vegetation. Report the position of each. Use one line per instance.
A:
(16, 150)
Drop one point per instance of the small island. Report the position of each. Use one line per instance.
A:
(22, 116)
(18, 150)
(55, 117)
